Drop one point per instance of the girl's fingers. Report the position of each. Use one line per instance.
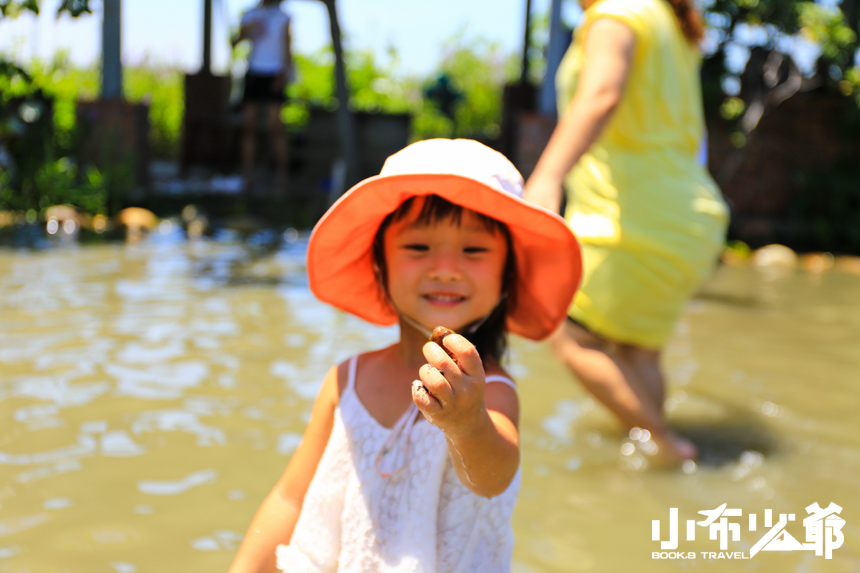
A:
(468, 359)
(435, 383)
(425, 401)
(438, 357)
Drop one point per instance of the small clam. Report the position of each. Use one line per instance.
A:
(439, 334)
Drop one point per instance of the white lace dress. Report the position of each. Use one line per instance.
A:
(420, 519)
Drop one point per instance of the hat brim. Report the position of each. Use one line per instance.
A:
(340, 257)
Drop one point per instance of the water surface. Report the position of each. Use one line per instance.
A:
(151, 395)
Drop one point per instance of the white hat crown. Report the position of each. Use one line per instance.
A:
(460, 157)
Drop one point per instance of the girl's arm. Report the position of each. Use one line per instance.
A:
(609, 50)
(274, 522)
(479, 420)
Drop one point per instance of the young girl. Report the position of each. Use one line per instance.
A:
(410, 461)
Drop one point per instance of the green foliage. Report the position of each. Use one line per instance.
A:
(11, 8)
(826, 27)
(372, 88)
(823, 24)
(157, 85)
(37, 145)
(827, 202)
(732, 108)
(771, 27)
(58, 182)
(162, 89)
(37, 122)
(851, 84)
(314, 86)
(478, 70)
(65, 85)
(729, 14)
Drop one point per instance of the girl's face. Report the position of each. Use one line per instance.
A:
(444, 273)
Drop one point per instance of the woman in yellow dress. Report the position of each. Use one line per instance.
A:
(650, 218)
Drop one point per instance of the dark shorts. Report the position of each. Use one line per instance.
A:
(260, 87)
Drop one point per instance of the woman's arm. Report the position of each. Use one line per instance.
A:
(479, 420)
(248, 30)
(275, 520)
(609, 49)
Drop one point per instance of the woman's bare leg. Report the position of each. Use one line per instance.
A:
(626, 379)
(646, 363)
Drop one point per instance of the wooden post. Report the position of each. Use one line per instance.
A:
(345, 120)
(111, 50)
(524, 71)
(206, 68)
(554, 54)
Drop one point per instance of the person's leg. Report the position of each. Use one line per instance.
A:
(249, 145)
(627, 382)
(279, 149)
(646, 362)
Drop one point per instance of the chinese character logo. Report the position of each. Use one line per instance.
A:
(823, 532)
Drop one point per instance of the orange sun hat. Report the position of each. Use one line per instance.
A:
(468, 174)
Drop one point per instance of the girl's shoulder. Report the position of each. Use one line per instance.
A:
(364, 362)
(500, 392)
(496, 370)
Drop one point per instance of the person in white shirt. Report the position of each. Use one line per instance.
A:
(270, 66)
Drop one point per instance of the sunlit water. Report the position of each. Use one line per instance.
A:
(150, 396)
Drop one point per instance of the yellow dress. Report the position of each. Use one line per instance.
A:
(650, 218)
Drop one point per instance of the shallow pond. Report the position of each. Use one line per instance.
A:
(151, 394)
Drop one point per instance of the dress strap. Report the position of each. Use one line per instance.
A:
(353, 366)
(503, 380)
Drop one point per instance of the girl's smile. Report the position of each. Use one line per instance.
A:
(446, 272)
(444, 299)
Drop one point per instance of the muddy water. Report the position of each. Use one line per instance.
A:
(150, 395)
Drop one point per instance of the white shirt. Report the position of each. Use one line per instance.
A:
(267, 41)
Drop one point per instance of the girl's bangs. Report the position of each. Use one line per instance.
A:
(435, 209)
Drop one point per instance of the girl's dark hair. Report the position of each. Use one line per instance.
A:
(490, 339)
(690, 20)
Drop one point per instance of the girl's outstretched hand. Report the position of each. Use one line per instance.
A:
(483, 441)
(450, 392)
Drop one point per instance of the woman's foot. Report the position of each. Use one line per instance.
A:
(673, 450)
(664, 449)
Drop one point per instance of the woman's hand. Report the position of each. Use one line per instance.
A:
(544, 191)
